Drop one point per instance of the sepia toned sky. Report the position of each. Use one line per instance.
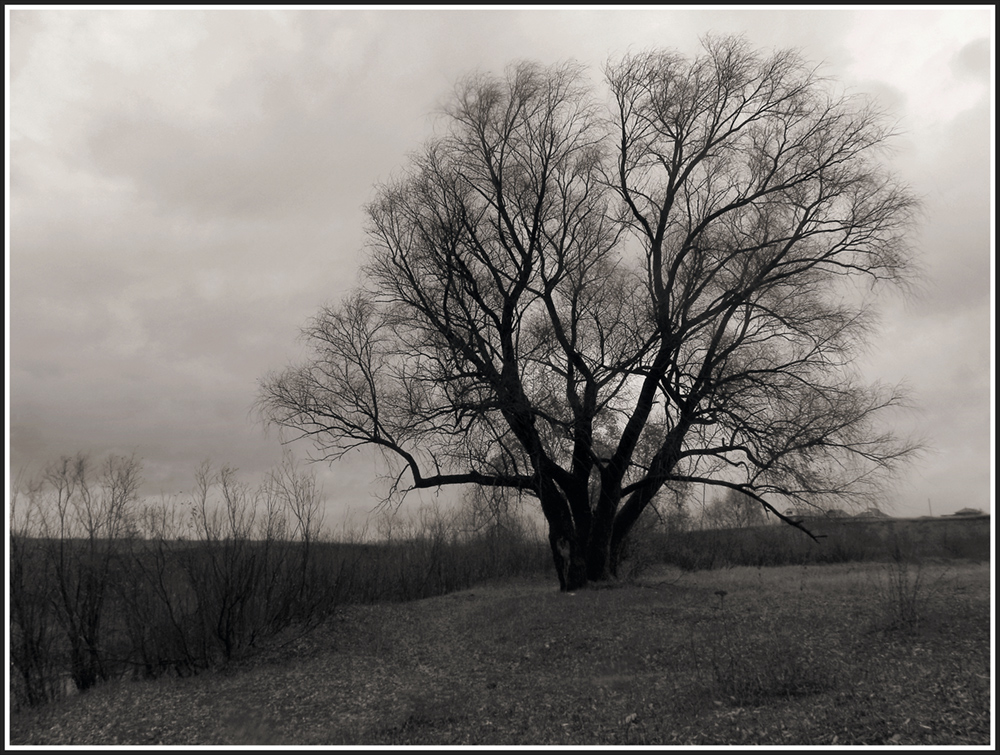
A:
(186, 189)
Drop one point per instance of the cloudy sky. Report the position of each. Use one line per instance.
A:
(185, 190)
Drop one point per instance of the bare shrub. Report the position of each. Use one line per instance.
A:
(752, 661)
(901, 590)
(32, 623)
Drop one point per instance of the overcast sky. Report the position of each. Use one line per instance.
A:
(185, 190)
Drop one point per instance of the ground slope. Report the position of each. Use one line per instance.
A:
(846, 654)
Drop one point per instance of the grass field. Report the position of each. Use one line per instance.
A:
(873, 653)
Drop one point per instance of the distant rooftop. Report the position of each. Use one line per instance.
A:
(872, 513)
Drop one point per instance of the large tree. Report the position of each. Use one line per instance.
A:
(587, 300)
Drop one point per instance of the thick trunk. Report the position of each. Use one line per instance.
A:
(623, 526)
(83, 666)
(659, 468)
(564, 537)
(600, 559)
(600, 566)
(581, 545)
(570, 561)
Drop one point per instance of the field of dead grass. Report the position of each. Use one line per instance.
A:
(837, 654)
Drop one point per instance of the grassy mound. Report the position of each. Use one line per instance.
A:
(889, 653)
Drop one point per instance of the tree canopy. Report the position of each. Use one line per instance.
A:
(586, 299)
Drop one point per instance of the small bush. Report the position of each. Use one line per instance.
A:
(900, 592)
(750, 662)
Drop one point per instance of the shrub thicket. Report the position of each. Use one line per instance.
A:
(105, 586)
(840, 541)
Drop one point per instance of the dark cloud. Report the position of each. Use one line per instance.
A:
(973, 60)
(186, 189)
(953, 176)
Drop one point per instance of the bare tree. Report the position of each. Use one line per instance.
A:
(734, 510)
(587, 304)
(83, 528)
(32, 634)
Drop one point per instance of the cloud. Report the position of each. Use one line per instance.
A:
(952, 172)
(186, 189)
(973, 61)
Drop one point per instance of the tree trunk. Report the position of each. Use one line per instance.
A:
(570, 561)
(82, 667)
(601, 565)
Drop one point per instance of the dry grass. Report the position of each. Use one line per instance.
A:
(788, 655)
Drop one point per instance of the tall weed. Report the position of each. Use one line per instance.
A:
(901, 591)
(750, 660)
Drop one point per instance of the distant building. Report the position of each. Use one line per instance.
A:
(969, 512)
(872, 513)
(807, 512)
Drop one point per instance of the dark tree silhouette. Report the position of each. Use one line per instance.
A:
(734, 510)
(586, 303)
